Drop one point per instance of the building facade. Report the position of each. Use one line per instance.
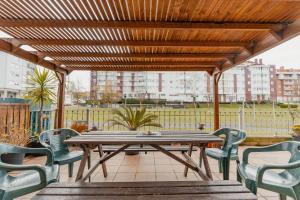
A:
(250, 81)
(288, 84)
(14, 75)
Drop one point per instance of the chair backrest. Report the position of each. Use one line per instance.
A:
(294, 148)
(55, 139)
(231, 136)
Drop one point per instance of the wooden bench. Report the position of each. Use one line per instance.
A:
(172, 190)
(144, 148)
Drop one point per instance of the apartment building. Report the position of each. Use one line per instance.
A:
(288, 84)
(173, 86)
(14, 75)
(250, 81)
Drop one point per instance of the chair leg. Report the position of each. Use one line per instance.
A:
(220, 166)
(200, 160)
(70, 166)
(282, 197)
(251, 186)
(225, 168)
(238, 176)
(89, 164)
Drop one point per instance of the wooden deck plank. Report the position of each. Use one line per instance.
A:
(235, 196)
(144, 191)
(144, 184)
(147, 190)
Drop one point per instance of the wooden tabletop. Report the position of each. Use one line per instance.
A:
(116, 138)
(181, 190)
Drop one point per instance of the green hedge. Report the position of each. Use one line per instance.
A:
(144, 101)
(282, 105)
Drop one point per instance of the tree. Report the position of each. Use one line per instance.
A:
(109, 95)
(41, 90)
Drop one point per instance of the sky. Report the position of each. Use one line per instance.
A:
(286, 54)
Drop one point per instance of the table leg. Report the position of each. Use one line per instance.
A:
(101, 153)
(89, 162)
(82, 162)
(205, 163)
(190, 154)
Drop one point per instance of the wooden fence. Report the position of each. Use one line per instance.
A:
(14, 115)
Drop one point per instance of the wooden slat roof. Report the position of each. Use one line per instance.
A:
(146, 35)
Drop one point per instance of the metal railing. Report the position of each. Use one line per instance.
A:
(259, 123)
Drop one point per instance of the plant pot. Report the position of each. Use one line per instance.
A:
(131, 152)
(34, 144)
(296, 138)
(13, 158)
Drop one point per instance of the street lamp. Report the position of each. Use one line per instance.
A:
(125, 96)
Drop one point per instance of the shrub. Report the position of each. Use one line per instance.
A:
(79, 127)
(294, 106)
(284, 106)
(14, 135)
(189, 106)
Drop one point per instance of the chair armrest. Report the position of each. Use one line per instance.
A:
(264, 168)
(45, 145)
(257, 150)
(43, 151)
(238, 142)
(38, 168)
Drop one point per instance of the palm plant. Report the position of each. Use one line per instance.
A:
(133, 119)
(41, 90)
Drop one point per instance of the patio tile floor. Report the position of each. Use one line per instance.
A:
(155, 166)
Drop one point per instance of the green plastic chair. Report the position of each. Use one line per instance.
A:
(54, 140)
(31, 178)
(229, 150)
(286, 182)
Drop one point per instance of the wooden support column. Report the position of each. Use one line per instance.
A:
(216, 77)
(60, 100)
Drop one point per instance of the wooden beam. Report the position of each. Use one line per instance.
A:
(61, 99)
(290, 31)
(216, 78)
(30, 57)
(62, 54)
(135, 63)
(184, 25)
(175, 43)
(142, 68)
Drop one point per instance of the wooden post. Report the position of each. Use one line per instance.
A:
(61, 97)
(216, 101)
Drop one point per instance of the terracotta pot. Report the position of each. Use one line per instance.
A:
(131, 152)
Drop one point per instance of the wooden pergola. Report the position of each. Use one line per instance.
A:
(145, 35)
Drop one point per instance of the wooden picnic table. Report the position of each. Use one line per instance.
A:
(171, 190)
(96, 140)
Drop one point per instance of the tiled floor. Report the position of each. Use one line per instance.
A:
(158, 167)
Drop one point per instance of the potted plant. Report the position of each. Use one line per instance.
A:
(294, 113)
(41, 91)
(296, 132)
(133, 120)
(79, 126)
(15, 136)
